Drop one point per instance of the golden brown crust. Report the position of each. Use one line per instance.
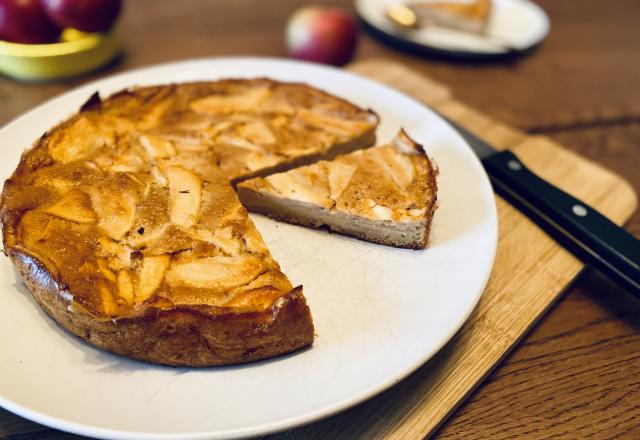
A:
(287, 125)
(366, 139)
(385, 194)
(125, 228)
(181, 336)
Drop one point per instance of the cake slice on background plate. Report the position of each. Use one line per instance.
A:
(465, 15)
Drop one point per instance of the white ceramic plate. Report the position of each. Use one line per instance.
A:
(515, 25)
(379, 312)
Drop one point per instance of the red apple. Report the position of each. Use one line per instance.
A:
(320, 34)
(84, 15)
(24, 21)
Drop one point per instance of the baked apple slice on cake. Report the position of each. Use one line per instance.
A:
(168, 269)
(126, 229)
(385, 194)
(244, 128)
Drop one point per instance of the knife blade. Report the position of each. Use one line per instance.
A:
(580, 228)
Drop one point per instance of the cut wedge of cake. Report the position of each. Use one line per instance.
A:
(165, 268)
(126, 229)
(466, 15)
(385, 194)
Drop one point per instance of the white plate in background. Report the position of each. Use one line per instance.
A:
(514, 26)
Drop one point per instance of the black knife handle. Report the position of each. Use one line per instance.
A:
(588, 234)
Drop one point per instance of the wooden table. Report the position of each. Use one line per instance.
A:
(577, 374)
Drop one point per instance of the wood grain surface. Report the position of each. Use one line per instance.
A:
(577, 374)
(529, 274)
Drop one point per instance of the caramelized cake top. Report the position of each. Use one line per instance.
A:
(239, 127)
(389, 182)
(127, 204)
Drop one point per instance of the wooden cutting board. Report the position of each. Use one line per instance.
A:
(531, 271)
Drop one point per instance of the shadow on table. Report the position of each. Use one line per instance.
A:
(610, 296)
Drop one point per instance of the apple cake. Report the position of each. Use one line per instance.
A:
(465, 15)
(126, 229)
(384, 194)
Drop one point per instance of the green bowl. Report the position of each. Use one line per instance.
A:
(76, 53)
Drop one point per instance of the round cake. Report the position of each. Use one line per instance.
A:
(126, 228)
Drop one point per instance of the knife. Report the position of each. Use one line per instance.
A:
(580, 228)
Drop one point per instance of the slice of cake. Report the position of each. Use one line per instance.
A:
(466, 15)
(385, 194)
(166, 268)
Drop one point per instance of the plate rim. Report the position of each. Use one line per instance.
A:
(56, 422)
